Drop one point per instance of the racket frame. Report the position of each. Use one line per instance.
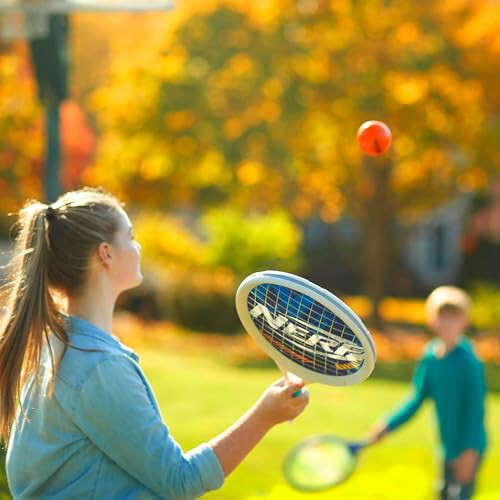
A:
(352, 447)
(327, 300)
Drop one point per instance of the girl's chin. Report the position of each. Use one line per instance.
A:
(135, 283)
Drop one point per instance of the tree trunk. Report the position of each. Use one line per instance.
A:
(378, 235)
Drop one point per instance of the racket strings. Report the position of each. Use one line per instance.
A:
(304, 330)
(319, 463)
(296, 311)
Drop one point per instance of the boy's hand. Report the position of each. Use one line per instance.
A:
(378, 431)
(465, 465)
(277, 404)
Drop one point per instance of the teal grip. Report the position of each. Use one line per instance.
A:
(297, 393)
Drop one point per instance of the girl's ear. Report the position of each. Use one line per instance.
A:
(104, 253)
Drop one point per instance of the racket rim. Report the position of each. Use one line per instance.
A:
(326, 299)
(311, 441)
(327, 437)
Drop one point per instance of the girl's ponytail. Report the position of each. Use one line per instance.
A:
(30, 311)
(52, 255)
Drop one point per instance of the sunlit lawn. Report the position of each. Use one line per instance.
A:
(201, 393)
(200, 396)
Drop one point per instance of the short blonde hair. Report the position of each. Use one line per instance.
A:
(443, 296)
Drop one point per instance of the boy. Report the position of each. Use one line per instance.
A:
(452, 376)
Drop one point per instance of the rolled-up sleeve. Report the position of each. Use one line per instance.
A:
(117, 410)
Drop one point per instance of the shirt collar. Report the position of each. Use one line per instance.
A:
(463, 344)
(79, 326)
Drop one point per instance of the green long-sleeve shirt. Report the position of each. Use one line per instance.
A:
(456, 384)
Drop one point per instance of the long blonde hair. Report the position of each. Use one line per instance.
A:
(52, 253)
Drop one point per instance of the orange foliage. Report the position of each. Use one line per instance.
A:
(78, 144)
(21, 130)
(301, 76)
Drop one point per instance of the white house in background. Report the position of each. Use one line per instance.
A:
(433, 250)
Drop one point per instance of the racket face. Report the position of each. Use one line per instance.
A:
(305, 329)
(319, 463)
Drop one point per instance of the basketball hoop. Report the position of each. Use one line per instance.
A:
(28, 19)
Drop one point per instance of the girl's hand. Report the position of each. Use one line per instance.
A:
(274, 406)
(277, 405)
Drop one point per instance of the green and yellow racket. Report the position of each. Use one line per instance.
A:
(320, 462)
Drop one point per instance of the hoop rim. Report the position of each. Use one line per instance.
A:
(68, 6)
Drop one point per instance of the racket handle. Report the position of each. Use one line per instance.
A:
(355, 447)
(298, 392)
(290, 377)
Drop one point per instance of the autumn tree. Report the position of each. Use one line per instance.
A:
(21, 131)
(257, 105)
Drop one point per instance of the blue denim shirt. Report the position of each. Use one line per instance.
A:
(100, 434)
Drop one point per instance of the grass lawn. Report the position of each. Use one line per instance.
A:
(201, 396)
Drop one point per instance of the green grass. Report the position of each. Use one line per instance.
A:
(201, 396)
(4, 490)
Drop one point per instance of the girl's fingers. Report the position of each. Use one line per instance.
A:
(300, 395)
(293, 387)
(281, 382)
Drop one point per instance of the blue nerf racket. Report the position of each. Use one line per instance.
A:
(305, 329)
(320, 462)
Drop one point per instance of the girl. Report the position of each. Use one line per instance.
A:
(77, 412)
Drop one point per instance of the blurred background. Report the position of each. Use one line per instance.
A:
(229, 129)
